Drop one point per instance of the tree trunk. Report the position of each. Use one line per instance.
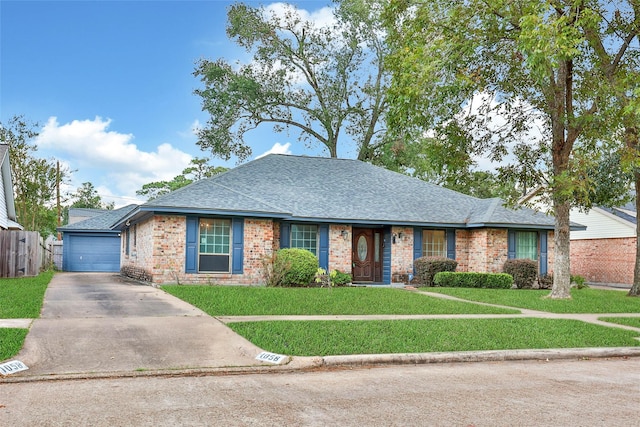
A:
(631, 140)
(561, 255)
(635, 289)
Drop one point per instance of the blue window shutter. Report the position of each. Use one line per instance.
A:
(237, 255)
(323, 254)
(191, 264)
(451, 244)
(417, 242)
(511, 245)
(285, 235)
(544, 267)
(386, 257)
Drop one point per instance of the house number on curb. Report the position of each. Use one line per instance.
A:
(271, 357)
(12, 366)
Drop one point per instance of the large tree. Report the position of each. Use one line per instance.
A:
(327, 81)
(614, 37)
(34, 179)
(531, 62)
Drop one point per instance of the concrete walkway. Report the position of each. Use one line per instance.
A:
(101, 325)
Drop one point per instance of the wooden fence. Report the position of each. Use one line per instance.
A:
(21, 253)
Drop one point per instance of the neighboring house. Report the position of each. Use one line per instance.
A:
(606, 251)
(93, 244)
(356, 217)
(8, 220)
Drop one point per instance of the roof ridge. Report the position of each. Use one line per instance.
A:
(491, 210)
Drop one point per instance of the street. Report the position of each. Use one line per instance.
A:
(595, 392)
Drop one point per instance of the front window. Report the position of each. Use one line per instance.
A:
(304, 236)
(434, 243)
(214, 247)
(527, 245)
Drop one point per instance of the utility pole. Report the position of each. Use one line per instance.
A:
(58, 197)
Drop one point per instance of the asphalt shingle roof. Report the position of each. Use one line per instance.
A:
(102, 222)
(326, 189)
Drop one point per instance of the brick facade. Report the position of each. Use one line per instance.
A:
(604, 260)
(157, 251)
(486, 250)
(340, 247)
(160, 252)
(401, 252)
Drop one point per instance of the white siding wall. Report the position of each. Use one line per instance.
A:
(601, 224)
(4, 216)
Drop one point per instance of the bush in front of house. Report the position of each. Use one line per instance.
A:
(545, 281)
(524, 272)
(340, 279)
(293, 267)
(427, 267)
(473, 280)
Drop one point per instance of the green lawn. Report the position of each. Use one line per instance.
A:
(629, 321)
(583, 300)
(20, 298)
(244, 300)
(323, 338)
(11, 340)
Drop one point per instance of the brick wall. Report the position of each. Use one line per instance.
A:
(401, 252)
(486, 250)
(482, 250)
(340, 248)
(161, 251)
(604, 260)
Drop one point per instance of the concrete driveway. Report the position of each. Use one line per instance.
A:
(100, 322)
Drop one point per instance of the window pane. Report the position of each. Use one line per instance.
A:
(305, 237)
(214, 236)
(434, 243)
(527, 245)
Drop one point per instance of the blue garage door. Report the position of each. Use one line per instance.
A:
(100, 253)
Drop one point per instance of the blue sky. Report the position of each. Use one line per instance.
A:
(110, 84)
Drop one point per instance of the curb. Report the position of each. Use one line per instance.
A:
(310, 363)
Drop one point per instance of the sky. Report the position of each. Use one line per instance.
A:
(110, 85)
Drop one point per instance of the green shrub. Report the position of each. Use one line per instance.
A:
(545, 281)
(579, 281)
(473, 280)
(427, 267)
(293, 267)
(340, 278)
(524, 272)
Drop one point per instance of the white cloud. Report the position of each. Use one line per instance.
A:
(277, 149)
(320, 18)
(108, 158)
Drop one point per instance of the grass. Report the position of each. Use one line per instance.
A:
(245, 301)
(323, 338)
(582, 300)
(11, 341)
(22, 298)
(629, 321)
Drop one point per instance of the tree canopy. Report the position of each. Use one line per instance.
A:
(326, 82)
(34, 179)
(514, 74)
(198, 169)
(87, 196)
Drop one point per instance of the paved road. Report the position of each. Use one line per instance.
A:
(102, 323)
(557, 393)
